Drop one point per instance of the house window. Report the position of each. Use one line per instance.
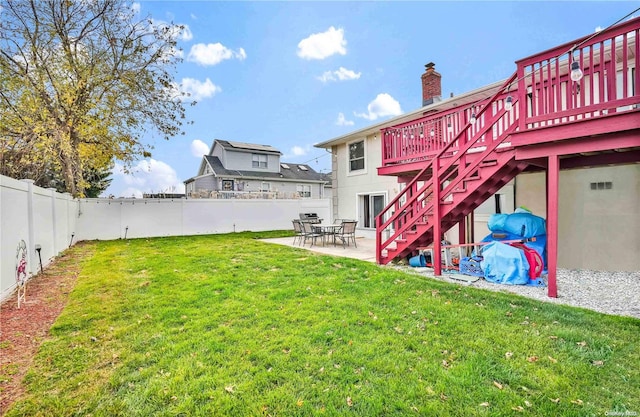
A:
(227, 185)
(265, 187)
(304, 190)
(259, 160)
(356, 156)
(369, 206)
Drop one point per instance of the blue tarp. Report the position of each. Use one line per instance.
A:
(539, 245)
(521, 224)
(518, 225)
(504, 264)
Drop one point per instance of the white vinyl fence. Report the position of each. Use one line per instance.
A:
(50, 221)
(36, 216)
(133, 218)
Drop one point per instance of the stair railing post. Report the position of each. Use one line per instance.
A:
(464, 138)
(378, 221)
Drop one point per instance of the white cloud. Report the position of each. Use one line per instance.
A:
(342, 121)
(342, 74)
(213, 53)
(383, 105)
(136, 8)
(193, 16)
(323, 45)
(198, 90)
(298, 151)
(147, 176)
(199, 148)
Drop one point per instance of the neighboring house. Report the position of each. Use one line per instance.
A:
(246, 170)
(567, 147)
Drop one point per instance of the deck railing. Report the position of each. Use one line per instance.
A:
(609, 83)
(547, 96)
(245, 195)
(422, 139)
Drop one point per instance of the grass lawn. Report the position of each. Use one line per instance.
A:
(227, 325)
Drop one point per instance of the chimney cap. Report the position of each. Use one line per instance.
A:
(430, 65)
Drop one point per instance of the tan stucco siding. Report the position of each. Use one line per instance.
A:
(349, 185)
(598, 229)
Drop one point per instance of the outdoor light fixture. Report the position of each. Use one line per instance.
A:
(508, 103)
(38, 249)
(432, 133)
(472, 119)
(576, 72)
(421, 133)
(449, 127)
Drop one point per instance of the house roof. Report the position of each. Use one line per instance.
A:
(295, 172)
(247, 147)
(448, 103)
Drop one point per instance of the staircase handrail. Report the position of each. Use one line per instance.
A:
(471, 167)
(499, 92)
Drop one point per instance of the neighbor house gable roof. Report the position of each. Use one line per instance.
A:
(295, 172)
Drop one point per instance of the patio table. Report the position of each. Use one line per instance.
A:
(328, 229)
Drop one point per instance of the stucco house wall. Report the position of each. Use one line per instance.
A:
(598, 228)
(350, 187)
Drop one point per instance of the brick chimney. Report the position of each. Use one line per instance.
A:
(431, 85)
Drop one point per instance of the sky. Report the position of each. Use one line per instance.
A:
(291, 74)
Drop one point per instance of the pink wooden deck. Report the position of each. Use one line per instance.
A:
(452, 160)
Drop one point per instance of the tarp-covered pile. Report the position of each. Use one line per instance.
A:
(506, 264)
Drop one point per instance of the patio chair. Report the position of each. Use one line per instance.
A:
(347, 233)
(310, 232)
(299, 233)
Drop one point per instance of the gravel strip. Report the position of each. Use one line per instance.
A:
(615, 293)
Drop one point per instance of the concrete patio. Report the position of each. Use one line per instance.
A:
(365, 251)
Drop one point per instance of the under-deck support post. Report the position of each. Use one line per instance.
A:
(437, 226)
(462, 235)
(553, 183)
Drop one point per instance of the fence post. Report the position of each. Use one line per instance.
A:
(31, 231)
(54, 220)
(183, 204)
